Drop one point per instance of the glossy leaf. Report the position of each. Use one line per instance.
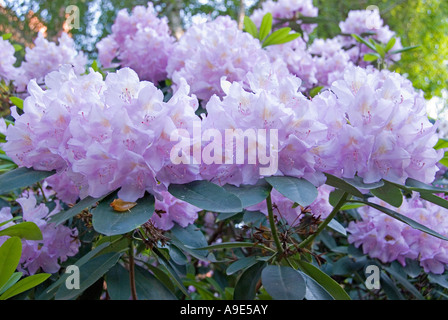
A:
(207, 195)
(25, 230)
(110, 222)
(24, 285)
(250, 194)
(240, 264)
(10, 253)
(332, 287)
(20, 178)
(283, 283)
(389, 193)
(298, 190)
(245, 288)
(266, 26)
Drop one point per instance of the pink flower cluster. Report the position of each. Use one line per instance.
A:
(363, 22)
(141, 41)
(58, 243)
(48, 56)
(7, 60)
(101, 135)
(212, 50)
(388, 239)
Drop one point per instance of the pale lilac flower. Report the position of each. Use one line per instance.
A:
(58, 243)
(46, 57)
(170, 211)
(7, 60)
(212, 50)
(141, 41)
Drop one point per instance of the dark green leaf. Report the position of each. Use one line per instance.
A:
(418, 186)
(434, 199)
(89, 273)
(250, 194)
(331, 286)
(389, 193)
(364, 41)
(20, 178)
(110, 222)
(240, 265)
(247, 282)
(406, 284)
(206, 195)
(314, 291)
(404, 49)
(390, 288)
(149, 288)
(336, 226)
(298, 190)
(11, 281)
(118, 283)
(191, 237)
(85, 203)
(283, 283)
(343, 185)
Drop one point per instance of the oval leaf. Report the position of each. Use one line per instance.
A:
(206, 195)
(283, 283)
(389, 193)
(298, 190)
(25, 230)
(10, 253)
(20, 178)
(110, 222)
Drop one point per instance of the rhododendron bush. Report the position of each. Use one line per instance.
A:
(255, 163)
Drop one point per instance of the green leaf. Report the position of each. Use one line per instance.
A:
(85, 203)
(364, 41)
(10, 253)
(390, 288)
(389, 193)
(245, 288)
(250, 27)
(434, 199)
(118, 283)
(25, 284)
(405, 49)
(51, 290)
(418, 186)
(314, 291)
(7, 36)
(89, 273)
(110, 222)
(315, 91)
(266, 26)
(276, 36)
(191, 237)
(343, 185)
(231, 245)
(25, 230)
(11, 281)
(20, 178)
(359, 183)
(441, 144)
(298, 190)
(10, 220)
(17, 102)
(390, 44)
(288, 38)
(241, 264)
(149, 288)
(17, 47)
(405, 283)
(444, 160)
(336, 226)
(369, 57)
(206, 195)
(283, 283)
(406, 220)
(250, 194)
(380, 49)
(331, 286)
